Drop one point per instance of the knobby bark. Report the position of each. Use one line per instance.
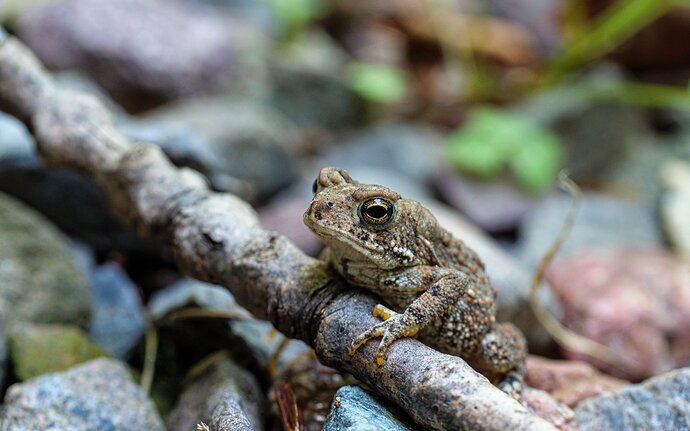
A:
(217, 238)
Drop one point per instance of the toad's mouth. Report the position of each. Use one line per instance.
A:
(344, 239)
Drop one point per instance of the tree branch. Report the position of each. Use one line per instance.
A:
(217, 238)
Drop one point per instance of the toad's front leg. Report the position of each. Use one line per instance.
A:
(441, 290)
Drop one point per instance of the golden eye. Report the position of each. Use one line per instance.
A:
(376, 211)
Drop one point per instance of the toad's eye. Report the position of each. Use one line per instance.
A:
(376, 211)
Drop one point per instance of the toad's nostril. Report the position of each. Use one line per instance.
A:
(330, 204)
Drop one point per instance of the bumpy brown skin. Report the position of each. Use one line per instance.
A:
(435, 285)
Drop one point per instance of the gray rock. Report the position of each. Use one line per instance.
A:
(117, 319)
(96, 396)
(225, 397)
(15, 140)
(193, 293)
(142, 52)
(355, 409)
(495, 206)
(639, 170)
(316, 99)
(257, 12)
(413, 151)
(602, 221)
(596, 134)
(39, 278)
(250, 141)
(660, 403)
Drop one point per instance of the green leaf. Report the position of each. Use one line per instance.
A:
(537, 162)
(377, 82)
(493, 139)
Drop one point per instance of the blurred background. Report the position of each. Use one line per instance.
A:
(472, 107)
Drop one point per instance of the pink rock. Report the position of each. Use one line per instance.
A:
(549, 409)
(635, 301)
(285, 217)
(569, 382)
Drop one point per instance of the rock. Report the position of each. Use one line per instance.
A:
(224, 396)
(546, 407)
(495, 206)
(634, 300)
(257, 12)
(39, 279)
(675, 205)
(43, 349)
(596, 134)
(193, 293)
(250, 141)
(354, 409)
(316, 99)
(142, 52)
(15, 140)
(117, 319)
(638, 172)
(601, 221)
(660, 403)
(569, 382)
(412, 151)
(96, 396)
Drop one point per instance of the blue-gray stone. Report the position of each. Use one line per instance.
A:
(601, 222)
(413, 151)
(191, 293)
(660, 403)
(15, 140)
(117, 317)
(354, 409)
(96, 396)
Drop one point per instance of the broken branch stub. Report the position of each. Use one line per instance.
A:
(217, 238)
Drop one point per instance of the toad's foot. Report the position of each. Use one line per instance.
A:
(512, 385)
(394, 327)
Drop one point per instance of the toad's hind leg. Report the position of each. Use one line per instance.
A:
(502, 355)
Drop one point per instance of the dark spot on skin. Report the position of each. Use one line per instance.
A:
(344, 263)
(348, 197)
(317, 215)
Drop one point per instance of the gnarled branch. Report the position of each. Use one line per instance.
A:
(217, 238)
